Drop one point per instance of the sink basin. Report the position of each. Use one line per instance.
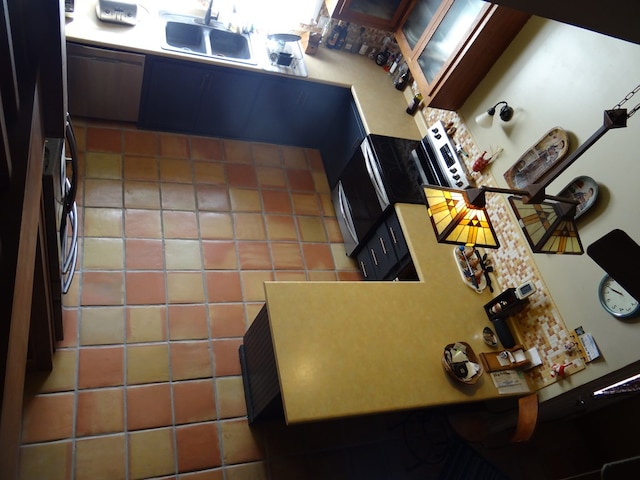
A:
(186, 37)
(189, 35)
(229, 44)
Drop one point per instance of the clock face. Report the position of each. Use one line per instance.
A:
(616, 300)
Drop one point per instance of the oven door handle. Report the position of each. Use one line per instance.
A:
(67, 276)
(345, 212)
(67, 251)
(374, 174)
(70, 136)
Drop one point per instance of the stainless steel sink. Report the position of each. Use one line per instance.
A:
(185, 37)
(189, 35)
(229, 44)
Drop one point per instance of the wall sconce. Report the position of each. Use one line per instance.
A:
(485, 120)
(459, 217)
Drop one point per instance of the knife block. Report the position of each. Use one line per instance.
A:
(501, 307)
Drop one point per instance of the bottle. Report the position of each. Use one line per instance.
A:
(382, 57)
(403, 80)
(335, 34)
(415, 104)
(357, 45)
(395, 64)
(342, 37)
(390, 61)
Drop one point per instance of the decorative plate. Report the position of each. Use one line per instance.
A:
(536, 161)
(582, 189)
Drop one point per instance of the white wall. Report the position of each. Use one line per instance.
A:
(558, 75)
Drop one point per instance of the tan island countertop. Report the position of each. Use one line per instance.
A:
(352, 348)
(381, 106)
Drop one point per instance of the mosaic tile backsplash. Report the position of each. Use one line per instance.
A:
(539, 325)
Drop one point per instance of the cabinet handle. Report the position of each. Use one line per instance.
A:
(364, 269)
(375, 260)
(384, 248)
(393, 235)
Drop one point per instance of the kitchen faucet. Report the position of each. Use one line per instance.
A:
(207, 15)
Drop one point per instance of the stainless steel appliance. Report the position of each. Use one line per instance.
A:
(104, 83)
(444, 153)
(385, 171)
(59, 183)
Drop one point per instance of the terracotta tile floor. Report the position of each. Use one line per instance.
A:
(178, 235)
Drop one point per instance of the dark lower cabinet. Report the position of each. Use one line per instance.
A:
(296, 112)
(188, 97)
(181, 96)
(385, 255)
(171, 93)
(226, 103)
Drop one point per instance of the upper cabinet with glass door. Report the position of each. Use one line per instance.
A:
(450, 45)
(383, 14)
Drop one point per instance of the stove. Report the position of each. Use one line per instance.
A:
(451, 167)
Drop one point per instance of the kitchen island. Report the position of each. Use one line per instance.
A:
(353, 348)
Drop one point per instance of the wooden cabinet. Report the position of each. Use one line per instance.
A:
(450, 45)
(386, 256)
(374, 13)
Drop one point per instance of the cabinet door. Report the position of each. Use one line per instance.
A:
(227, 101)
(366, 265)
(397, 237)
(104, 84)
(342, 139)
(171, 95)
(382, 253)
(448, 36)
(374, 13)
(423, 13)
(293, 112)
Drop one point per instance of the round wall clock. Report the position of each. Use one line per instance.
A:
(616, 300)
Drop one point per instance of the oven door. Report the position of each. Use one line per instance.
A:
(357, 201)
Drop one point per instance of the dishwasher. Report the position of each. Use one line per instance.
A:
(104, 84)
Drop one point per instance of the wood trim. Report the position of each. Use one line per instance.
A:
(527, 418)
(11, 417)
